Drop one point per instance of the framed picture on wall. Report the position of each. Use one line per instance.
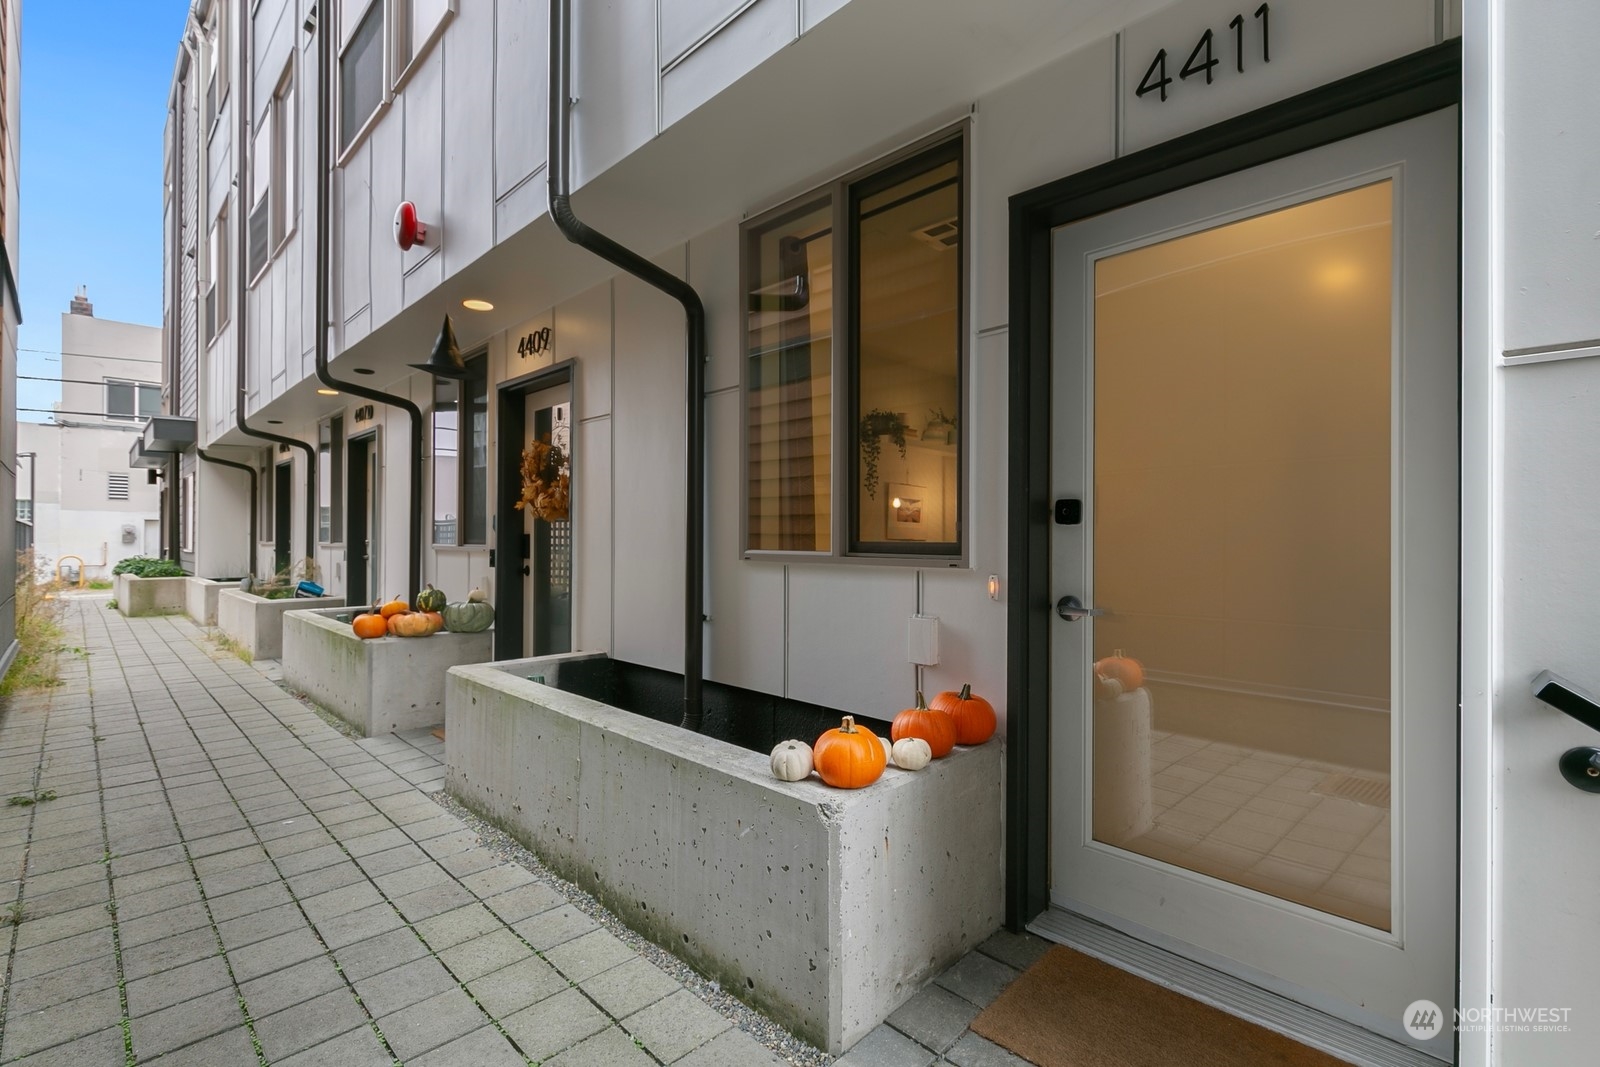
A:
(909, 518)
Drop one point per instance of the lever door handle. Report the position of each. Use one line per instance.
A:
(1579, 766)
(1072, 609)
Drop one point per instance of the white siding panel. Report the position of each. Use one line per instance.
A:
(614, 77)
(521, 93)
(1022, 138)
(519, 207)
(385, 148)
(592, 548)
(847, 637)
(685, 22)
(423, 159)
(814, 11)
(647, 436)
(744, 599)
(714, 271)
(1552, 272)
(467, 210)
(741, 46)
(581, 330)
(972, 634)
(353, 185)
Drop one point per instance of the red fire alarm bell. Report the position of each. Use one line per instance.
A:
(407, 230)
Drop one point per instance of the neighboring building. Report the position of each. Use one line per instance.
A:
(76, 488)
(10, 316)
(1266, 329)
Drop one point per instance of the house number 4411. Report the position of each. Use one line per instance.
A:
(1202, 58)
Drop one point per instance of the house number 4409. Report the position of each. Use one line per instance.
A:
(534, 343)
(1202, 58)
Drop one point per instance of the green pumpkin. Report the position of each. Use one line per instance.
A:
(468, 617)
(430, 599)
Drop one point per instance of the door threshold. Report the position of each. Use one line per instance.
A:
(1233, 995)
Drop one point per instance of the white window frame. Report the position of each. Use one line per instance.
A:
(138, 388)
(217, 272)
(285, 118)
(217, 81)
(403, 53)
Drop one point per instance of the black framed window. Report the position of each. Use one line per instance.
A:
(855, 365)
(361, 74)
(461, 456)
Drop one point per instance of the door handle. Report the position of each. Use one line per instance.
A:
(1072, 609)
(1579, 766)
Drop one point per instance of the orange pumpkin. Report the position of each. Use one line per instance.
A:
(973, 716)
(367, 625)
(393, 608)
(1126, 672)
(934, 727)
(411, 624)
(435, 621)
(849, 757)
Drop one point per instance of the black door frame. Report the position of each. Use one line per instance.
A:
(1405, 88)
(358, 519)
(511, 429)
(282, 515)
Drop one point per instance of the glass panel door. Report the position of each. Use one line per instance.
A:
(1242, 536)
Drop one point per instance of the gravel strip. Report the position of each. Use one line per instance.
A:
(783, 1044)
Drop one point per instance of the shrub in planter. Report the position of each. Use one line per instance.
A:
(145, 567)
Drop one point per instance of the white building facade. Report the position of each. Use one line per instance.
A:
(88, 510)
(1239, 356)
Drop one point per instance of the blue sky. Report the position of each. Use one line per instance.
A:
(95, 76)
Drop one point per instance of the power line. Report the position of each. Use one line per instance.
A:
(83, 381)
(90, 355)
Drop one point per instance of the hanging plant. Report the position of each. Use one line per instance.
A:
(546, 480)
(874, 424)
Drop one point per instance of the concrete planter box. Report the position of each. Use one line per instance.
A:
(200, 598)
(825, 908)
(377, 686)
(149, 596)
(257, 623)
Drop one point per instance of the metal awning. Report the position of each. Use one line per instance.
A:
(142, 458)
(168, 433)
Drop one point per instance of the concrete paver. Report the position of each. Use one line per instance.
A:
(220, 870)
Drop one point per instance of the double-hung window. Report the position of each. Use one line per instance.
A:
(855, 363)
(461, 457)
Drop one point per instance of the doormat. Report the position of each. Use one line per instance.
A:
(1374, 792)
(1072, 1010)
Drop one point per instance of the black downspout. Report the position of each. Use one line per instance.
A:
(241, 288)
(695, 320)
(255, 511)
(323, 301)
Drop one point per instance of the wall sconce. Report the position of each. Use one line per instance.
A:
(994, 587)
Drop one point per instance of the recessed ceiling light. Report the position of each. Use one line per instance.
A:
(328, 392)
(274, 422)
(477, 305)
(365, 370)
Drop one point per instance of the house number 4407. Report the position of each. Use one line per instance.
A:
(1202, 58)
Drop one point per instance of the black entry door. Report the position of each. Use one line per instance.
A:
(281, 503)
(358, 543)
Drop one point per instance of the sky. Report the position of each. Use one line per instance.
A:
(95, 76)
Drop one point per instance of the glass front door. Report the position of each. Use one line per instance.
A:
(1254, 672)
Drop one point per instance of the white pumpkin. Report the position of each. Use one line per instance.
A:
(791, 761)
(888, 750)
(911, 753)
